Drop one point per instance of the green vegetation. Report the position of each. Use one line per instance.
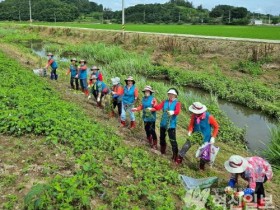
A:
(252, 32)
(273, 152)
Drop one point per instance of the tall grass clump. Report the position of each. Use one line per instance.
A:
(273, 150)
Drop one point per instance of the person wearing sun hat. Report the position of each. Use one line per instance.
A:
(255, 170)
(117, 92)
(73, 69)
(171, 108)
(130, 96)
(96, 71)
(82, 75)
(53, 64)
(149, 118)
(203, 122)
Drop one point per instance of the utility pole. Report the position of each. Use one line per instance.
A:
(144, 15)
(179, 17)
(30, 12)
(123, 18)
(229, 16)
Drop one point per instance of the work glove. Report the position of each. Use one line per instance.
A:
(134, 109)
(189, 133)
(212, 140)
(170, 113)
(76, 76)
(89, 97)
(149, 109)
(98, 99)
(113, 93)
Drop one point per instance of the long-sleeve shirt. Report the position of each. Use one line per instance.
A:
(212, 121)
(154, 103)
(257, 170)
(160, 106)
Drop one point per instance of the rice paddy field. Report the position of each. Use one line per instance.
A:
(252, 32)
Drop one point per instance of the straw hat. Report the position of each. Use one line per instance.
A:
(94, 68)
(173, 91)
(197, 108)
(130, 78)
(49, 54)
(149, 88)
(73, 59)
(236, 164)
(82, 60)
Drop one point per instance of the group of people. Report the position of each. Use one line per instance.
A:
(255, 170)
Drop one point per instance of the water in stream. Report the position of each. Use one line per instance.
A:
(257, 124)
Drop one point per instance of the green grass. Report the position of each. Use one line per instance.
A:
(254, 32)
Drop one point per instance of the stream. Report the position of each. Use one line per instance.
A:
(256, 124)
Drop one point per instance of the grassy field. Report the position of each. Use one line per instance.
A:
(254, 32)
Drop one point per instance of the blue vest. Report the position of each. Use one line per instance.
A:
(54, 64)
(204, 127)
(168, 121)
(99, 87)
(128, 95)
(82, 74)
(73, 70)
(148, 116)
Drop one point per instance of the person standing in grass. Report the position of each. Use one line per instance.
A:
(203, 122)
(99, 90)
(73, 71)
(53, 64)
(171, 108)
(82, 75)
(117, 93)
(256, 171)
(129, 98)
(149, 118)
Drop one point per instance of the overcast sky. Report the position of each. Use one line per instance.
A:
(262, 6)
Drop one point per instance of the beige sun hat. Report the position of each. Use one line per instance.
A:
(149, 88)
(197, 108)
(236, 164)
(130, 78)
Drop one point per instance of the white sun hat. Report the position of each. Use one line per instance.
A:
(173, 91)
(197, 108)
(149, 88)
(114, 81)
(236, 164)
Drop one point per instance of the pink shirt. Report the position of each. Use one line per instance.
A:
(256, 171)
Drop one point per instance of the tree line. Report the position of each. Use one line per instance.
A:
(173, 11)
(51, 10)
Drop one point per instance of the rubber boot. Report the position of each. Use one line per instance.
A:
(163, 149)
(150, 140)
(86, 92)
(202, 165)
(132, 125)
(174, 157)
(122, 123)
(111, 114)
(261, 203)
(155, 144)
(179, 160)
(55, 76)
